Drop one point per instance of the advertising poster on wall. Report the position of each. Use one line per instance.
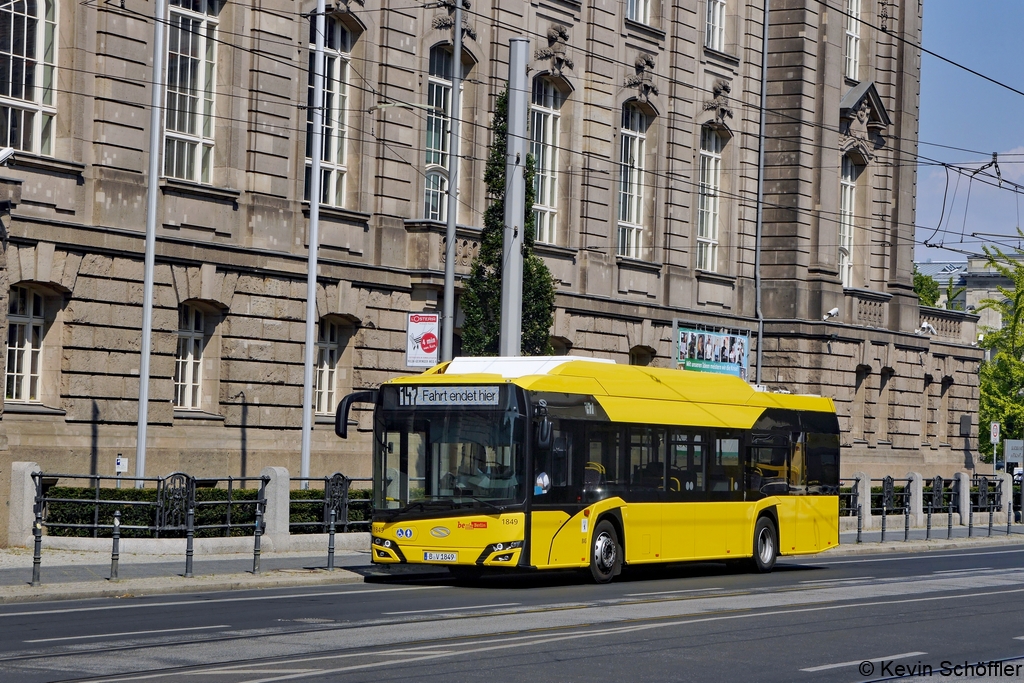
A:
(719, 352)
(422, 341)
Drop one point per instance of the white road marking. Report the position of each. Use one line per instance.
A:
(128, 633)
(689, 590)
(1019, 638)
(855, 578)
(453, 609)
(175, 603)
(841, 665)
(960, 571)
(923, 556)
(539, 639)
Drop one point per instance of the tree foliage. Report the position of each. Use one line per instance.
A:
(1002, 376)
(926, 288)
(481, 298)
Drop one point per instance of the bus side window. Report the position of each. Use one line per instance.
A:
(646, 463)
(686, 463)
(601, 471)
(725, 471)
(821, 455)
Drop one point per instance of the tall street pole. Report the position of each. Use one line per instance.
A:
(316, 147)
(510, 340)
(448, 310)
(156, 117)
(759, 225)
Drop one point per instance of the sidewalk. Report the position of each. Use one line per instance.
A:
(75, 575)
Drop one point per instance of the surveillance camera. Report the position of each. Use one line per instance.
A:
(831, 314)
(6, 155)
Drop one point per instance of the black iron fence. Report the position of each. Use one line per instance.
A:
(891, 496)
(84, 505)
(849, 503)
(309, 509)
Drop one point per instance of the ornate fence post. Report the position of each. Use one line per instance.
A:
(887, 501)
(860, 509)
(330, 544)
(257, 534)
(189, 535)
(37, 555)
(115, 554)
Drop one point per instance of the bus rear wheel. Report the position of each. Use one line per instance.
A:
(766, 545)
(606, 552)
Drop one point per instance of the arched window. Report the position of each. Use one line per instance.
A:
(847, 226)
(25, 326)
(28, 58)
(188, 360)
(439, 98)
(337, 46)
(641, 355)
(544, 115)
(708, 201)
(633, 141)
(332, 340)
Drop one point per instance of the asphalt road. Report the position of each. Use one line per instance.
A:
(824, 619)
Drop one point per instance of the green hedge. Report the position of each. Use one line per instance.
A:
(312, 511)
(138, 508)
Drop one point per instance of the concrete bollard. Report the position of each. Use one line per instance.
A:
(275, 513)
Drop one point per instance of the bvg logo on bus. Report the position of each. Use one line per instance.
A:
(472, 525)
(439, 532)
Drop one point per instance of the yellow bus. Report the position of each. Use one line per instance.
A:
(563, 462)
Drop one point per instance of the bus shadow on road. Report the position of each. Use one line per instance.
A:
(736, 572)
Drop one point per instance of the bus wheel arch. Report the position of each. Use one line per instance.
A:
(607, 548)
(765, 542)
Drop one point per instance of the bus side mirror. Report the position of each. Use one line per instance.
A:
(544, 433)
(341, 422)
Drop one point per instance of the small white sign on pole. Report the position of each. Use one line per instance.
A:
(422, 340)
(120, 464)
(1014, 449)
(994, 436)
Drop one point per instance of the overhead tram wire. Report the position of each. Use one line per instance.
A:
(298, 64)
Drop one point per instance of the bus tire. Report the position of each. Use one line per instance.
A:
(766, 545)
(605, 552)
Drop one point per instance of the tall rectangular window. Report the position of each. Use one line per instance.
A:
(544, 147)
(28, 59)
(707, 204)
(328, 351)
(334, 106)
(439, 99)
(191, 61)
(639, 10)
(631, 181)
(847, 204)
(852, 69)
(714, 34)
(188, 361)
(24, 344)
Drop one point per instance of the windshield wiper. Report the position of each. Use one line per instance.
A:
(484, 502)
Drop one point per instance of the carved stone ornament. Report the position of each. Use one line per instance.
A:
(466, 250)
(447, 21)
(346, 5)
(720, 103)
(558, 37)
(643, 81)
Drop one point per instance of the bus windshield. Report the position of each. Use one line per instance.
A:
(449, 457)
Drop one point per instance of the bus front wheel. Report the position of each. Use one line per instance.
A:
(606, 552)
(766, 545)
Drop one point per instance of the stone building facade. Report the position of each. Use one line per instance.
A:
(644, 121)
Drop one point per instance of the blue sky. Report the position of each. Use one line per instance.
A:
(962, 110)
